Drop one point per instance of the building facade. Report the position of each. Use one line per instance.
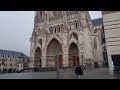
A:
(11, 61)
(70, 35)
(111, 21)
(99, 34)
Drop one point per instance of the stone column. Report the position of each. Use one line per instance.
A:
(65, 58)
(80, 58)
(32, 50)
(43, 58)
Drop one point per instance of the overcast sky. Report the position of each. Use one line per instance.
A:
(16, 28)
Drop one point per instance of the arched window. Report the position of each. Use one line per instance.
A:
(55, 29)
(76, 24)
(58, 29)
(95, 43)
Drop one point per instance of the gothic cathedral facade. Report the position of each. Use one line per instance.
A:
(70, 35)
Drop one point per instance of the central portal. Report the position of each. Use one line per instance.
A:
(52, 53)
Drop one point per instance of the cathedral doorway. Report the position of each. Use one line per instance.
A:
(54, 48)
(37, 59)
(73, 55)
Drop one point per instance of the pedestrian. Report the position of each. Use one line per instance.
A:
(79, 72)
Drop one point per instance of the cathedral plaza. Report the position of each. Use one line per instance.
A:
(101, 73)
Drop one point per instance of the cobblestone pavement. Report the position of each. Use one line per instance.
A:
(101, 73)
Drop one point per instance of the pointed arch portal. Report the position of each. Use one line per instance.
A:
(52, 53)
(37, 58)
(73, 55)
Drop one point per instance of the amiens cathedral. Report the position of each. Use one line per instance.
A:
(70, 37)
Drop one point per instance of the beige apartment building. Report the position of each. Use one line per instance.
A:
(11, 61)
(71, 33)
(111, 21)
